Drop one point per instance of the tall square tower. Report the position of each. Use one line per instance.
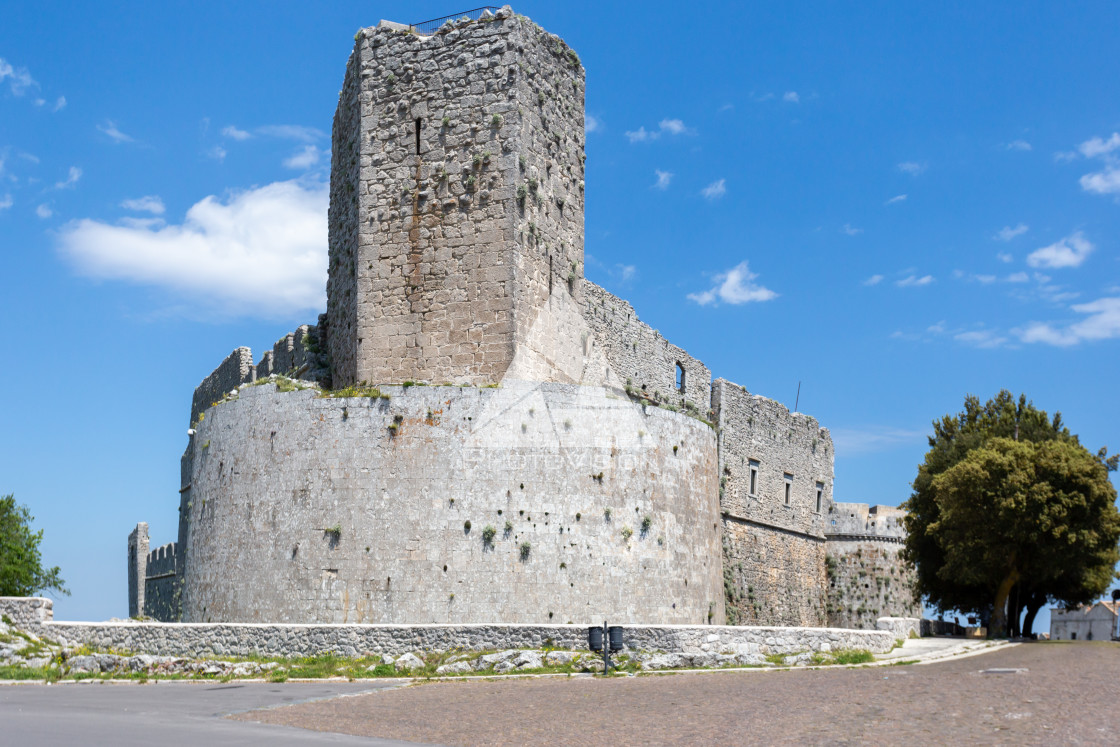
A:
(456, 204)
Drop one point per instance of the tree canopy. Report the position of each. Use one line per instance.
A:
(21, 568)
(1008, 505)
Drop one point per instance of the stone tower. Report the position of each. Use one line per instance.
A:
(456, 205)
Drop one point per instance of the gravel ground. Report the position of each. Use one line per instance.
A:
(1066, 695)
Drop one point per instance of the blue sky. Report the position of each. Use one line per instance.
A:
(892, 206)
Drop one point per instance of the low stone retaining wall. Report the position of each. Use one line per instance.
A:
(241, 639)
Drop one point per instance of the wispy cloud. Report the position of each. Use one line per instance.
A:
(218, 153)
(873, 280)
(914, 281)
(292, 132)
(262, 252)
(870, 439)
(1007, 233)
(44, 211)
(304, 158)
(736, 286)
(715, 190)
(663, 179)
(147, 204)
(664, 127)
(791, 97)
(592, 123)
(233, 133)
(1069, 252)
(850, 230)
(981, 338)
(1096, 147)
(1107, 180)
(59, 104)
(71, 179)
(896, 198)
(1018, 145)
(6, 202)
(110, 128)
(19, 78)
(1102, 323)
(911, 167)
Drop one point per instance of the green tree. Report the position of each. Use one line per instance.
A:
(1061, 569)
(21, 567)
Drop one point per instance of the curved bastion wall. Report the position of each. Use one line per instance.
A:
(525, 503)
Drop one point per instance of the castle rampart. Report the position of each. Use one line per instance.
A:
(530, 503)
(651, 365)
(867, 578)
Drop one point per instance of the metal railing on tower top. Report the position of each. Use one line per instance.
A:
(428, 28)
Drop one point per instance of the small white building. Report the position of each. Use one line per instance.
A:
(1093, 623)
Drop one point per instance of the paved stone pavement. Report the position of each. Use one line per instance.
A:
(164, 713)
(1034, 693)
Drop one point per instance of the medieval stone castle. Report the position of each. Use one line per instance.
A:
(474, 432)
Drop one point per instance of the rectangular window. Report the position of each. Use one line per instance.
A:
(754, 478)
(789, 486)
(820, 496)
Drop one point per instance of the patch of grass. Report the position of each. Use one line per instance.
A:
(356, 390)
(8, 672)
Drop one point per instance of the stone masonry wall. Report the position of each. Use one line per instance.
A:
(469, 159)
(137, 568)
(162, 584)
(640, 355)
(773, 548)
(235, 370)
(309, 509)
(867, 578)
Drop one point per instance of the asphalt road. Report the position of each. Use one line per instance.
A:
(167, 713)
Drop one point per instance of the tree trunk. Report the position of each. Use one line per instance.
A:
(1016, 602)
(999, 611)
(1033, 606)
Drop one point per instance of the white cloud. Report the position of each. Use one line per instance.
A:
(261, 252)
(592, 123)
(640, 135)
(665, 126)
(715, 190)
(873, 438)
(850, 230)
(71, 179)
(6, 202)
(896, 198)
(147, 204)
(1018, 145)
(736, 286)
(218, 153)
(873, 280)
(110, 129)
(981, 338)
(1102, 182)
(625, 273)
(232, 132)
(19, 79)
(304, 158)
(663, 178)
(914, 281)
(292, 132)
(911, 167)
(1096, 146)
(1007, 233)
(44, 211)
(1018, 277)
(59, 104)
(1005, 257)
(1069, 252)
(1103, 323)
(791, 97)
(673, 126)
